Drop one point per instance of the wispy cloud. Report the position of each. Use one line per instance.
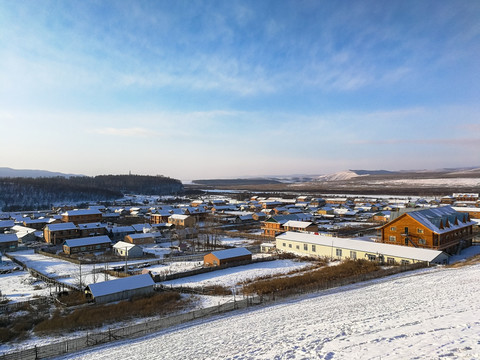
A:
(126, 132)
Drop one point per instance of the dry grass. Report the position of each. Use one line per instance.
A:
(347, 269)
(97, 315)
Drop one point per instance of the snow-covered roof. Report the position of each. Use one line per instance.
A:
(122, 229)
(365, 246)
(436, 218)
(297, 224)
(91, 226)
(179, 216)
(78, 212)
(140, 227)
(140, 236)
(122, 284)
(231, 253)
(124, 245)
(4, 238)
(6, 223)
(86, 241)
(62, 226)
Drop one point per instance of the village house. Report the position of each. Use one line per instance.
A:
(92, 229)
(181, 220)
(473, 212)
(228, 256)
(56, 234)
(86, 244)
(305, 226)
(37, 224)
(120, 289)
(8, 242)
(82, 216)
(118, 233)
(140, 239)
(6, 225)
(161, 216)
(125, 249)
(343, 248)
(440, 228)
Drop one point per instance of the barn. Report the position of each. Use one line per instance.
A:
(120, 289)
(228, 256)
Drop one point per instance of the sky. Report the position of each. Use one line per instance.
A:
(221, 89)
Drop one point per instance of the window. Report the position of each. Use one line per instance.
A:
(393, 228)
(305, 247)
(420, 231)
(390, 260)
(406, 230)
(298, 247)
(392, 238)
(314, 248)
(284, 245)
(289, 245)
(371, 257)
(405, 262)
(421, 241)
(353, 254)
(338, 252)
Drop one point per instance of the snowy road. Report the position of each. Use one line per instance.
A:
(422, 316)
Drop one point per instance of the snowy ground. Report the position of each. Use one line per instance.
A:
(425, 315)
(234, 275)
(175, 267)
(20, 286)
(235, 241)
(65, 271)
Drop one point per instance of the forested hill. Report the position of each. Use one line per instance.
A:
(41, 193)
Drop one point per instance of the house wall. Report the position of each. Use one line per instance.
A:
(332, 252)
(88, 248)
(124, 295)
(8, 245)
(82, 219)
(59, 236)
(139, 241)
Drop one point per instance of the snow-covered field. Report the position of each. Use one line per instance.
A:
(424, 315)
(21, 286)
(232, 276)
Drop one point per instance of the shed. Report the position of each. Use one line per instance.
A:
(126, 249)
(228, 256)
(120, 289)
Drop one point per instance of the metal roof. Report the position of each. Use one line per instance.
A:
(86, 241)
(122, 284)
(231, 253)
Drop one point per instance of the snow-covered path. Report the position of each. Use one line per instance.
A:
(429, 315)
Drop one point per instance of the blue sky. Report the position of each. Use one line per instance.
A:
(207, 89)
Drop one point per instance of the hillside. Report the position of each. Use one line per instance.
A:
(41, 193)
(9, 172)
(427, 314)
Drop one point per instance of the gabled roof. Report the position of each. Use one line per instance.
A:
(78, 212)
(231, 253)
(119, 285)
(61, 226)
(297, 224)
(124, 245)
(86, 241)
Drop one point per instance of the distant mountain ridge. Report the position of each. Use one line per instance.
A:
(30, 173)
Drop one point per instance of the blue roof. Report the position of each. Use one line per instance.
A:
(122, 284)
(231, 253)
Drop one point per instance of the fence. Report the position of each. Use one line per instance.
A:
(19, 305)
(148, 327)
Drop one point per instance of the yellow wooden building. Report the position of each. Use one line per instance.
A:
(343, 248)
